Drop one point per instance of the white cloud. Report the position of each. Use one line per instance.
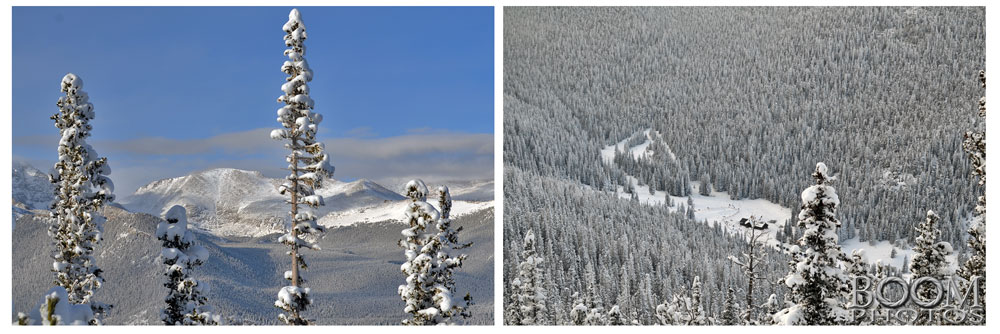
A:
(432, 155)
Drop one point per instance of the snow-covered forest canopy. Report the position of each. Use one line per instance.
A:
(747, 100)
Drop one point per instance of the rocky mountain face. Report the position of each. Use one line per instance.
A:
(30, 187)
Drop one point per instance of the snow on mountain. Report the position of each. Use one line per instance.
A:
(30, 187)
(393, 211)
(225, 201)
(233, 202)
(608, 152)
(464, 190)
(473, 190)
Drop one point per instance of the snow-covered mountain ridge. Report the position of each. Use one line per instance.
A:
(242, 203)
(234, 202)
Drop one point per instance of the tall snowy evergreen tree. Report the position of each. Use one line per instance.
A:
(730, 310)
(308, 163)
(578, 315)
(751, 259)
(975, 146)
(816, 281)
(930, 256)
(688, 311)
(429, 267)
(685, 310)
(529, 294)
(82, 188)
(705, 185)
(186, 301)
(695, 311)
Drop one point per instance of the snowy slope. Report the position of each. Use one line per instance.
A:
(393, 211)
(882, 251)
(464, 190)
(353, 278)
(718, 208)
(225, 201)
(233, 202)
(474, 190)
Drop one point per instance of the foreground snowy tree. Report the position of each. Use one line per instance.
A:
(816, 280)
(670, 313)
(857, 265)
(186, 301)
(730, 310)
(930, 258)
(578, 314)
(750, 261)
(695, 314)
(596, 315)
(975, 146)
(82, 188)
(529, 294)
(429, 267)
(55, 309)
(769, 307)
(684, 310)
(615, 317)
(309, 165)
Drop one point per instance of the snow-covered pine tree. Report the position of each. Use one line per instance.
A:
(730, 310)
(82, 188)
(578, 315)
(670, 313)
(930, 256)
(816, 281)
(856, 267)
(186, 301)
(596, 316)
(417, 291)
(429, 267)
(615, 317)
(705, 185)
(975, 147)
(55, 309)
(770, 307)
(308, 163)
(528, 291)
(690, 207)
(751, 258)
(694, 314)
(445, 264)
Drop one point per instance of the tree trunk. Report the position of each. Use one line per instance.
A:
(295, 210)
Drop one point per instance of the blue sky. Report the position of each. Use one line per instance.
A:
(181, 89)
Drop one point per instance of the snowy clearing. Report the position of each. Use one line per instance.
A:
(718, 208)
